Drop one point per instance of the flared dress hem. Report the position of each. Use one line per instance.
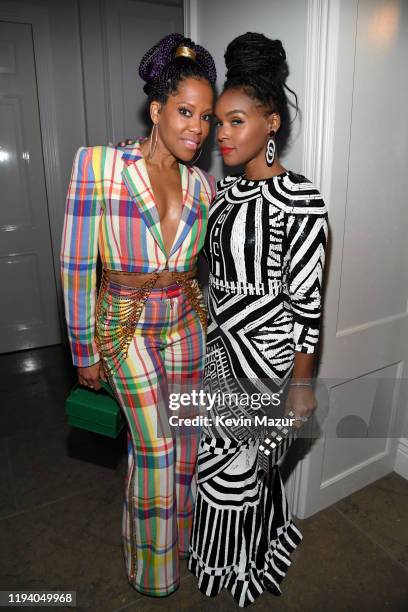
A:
(246, 587)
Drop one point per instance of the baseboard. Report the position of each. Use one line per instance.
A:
(401, 459)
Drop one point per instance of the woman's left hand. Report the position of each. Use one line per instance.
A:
(302, 402)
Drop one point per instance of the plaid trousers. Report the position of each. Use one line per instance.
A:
(167, 349)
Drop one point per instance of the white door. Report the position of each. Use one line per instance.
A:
(131, 29)
(365, 322)
(28, 300)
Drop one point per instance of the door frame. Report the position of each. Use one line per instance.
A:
(38, 18)
(321, 58)
(190, 17)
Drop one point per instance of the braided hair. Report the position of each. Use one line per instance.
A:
(163, 71)
(257, 65)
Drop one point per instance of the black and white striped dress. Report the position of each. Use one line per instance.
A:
(265, 247)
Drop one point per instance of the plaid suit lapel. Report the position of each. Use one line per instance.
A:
(190, 186)
(136, 179)
(137, 182)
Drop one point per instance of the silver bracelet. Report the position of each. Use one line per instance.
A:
(300, 384)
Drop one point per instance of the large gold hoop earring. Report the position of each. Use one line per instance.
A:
(153, 134)
(193, 161)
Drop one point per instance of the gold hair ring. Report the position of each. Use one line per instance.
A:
(183, 51)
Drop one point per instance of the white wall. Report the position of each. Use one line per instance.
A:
(217, 22)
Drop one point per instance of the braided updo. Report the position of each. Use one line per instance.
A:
(257, 65)
(163, 71)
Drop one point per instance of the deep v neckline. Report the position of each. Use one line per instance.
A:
(183, 172)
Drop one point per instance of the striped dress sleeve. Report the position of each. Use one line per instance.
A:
(306, 233)
(79, 253)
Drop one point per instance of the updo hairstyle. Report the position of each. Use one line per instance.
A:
(257, 65)
(171, 60)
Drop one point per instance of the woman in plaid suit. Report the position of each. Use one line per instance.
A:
(145, 214)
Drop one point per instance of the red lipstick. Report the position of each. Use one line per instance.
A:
(226, 150)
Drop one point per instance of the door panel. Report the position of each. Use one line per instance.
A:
(358, 424)
(14, 174)
(365, 316)
(131, 29)
(28, 302)
(24, 313)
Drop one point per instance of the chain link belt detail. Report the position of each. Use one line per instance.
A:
(113, 341)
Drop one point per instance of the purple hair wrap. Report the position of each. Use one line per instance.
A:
(160, 64)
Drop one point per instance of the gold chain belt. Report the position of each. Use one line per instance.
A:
(113, 341)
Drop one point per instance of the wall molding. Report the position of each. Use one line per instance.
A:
(321, 53)
(401, 459)
(322, 31)
(190, 8)
(371, 324)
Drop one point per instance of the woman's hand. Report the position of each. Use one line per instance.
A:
(302, 402)
(90, 376)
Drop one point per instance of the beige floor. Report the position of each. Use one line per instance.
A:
(60, 517)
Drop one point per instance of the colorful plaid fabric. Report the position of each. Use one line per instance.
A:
(167, 349)
(111, 209)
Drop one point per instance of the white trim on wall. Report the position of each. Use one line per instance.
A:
(401, 459)
(191, 19)
(322, 29)
(38, 17)
(321, 40)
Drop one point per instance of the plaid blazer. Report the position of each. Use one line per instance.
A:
(111, 210)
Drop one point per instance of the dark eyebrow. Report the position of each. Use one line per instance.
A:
(208, 110)
(235, 111)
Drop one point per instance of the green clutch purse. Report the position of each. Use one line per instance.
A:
(95, 411)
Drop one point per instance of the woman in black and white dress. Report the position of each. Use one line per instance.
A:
(265, 246)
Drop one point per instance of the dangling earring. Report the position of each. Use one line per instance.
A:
(193, 161)
(154, 133)
(270, 149)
